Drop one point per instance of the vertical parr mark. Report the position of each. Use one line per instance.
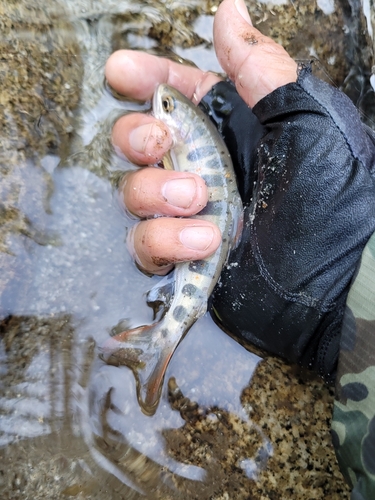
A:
(201, 267)
(189, 290)
(195, 134)
(179, 313)
(201, 153)
(213, 163)
(213, 180)
(212, 208)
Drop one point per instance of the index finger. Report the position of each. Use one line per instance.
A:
(136, 74)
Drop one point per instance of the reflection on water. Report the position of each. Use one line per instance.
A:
(187, 438)
(70, 425)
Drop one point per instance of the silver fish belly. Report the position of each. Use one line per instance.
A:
(197, 147)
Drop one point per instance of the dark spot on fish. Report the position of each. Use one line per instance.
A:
(212, 208)
(164, 333)
(212, 163)
(201, 153)
(179, 313)
(195, 134)
(200, 267)
(213, 180)
(189, 290)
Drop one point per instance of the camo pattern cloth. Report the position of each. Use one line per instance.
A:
(353, 425)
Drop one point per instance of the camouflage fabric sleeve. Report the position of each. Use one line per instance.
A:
(353, 425)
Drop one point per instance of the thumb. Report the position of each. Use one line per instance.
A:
(255, 63)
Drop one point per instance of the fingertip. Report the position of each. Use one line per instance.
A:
(254, 62)
(158, 244)
(141, 138)
(201, 238)
(144, 260)
(153, 191)
(242, 10)
(150, 141)
(114, 68)
(134, 73)
(110, 65)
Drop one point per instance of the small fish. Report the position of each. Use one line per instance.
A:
(197, 147)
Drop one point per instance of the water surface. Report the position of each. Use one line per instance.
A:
(228, 423)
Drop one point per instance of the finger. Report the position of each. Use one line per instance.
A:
(141, 138)
(136, 74)
(154, 191)
(255, 63)
(157, 244)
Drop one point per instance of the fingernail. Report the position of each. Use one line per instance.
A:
(149, 139)
(180, 192)
(197, 237)
(242, 10)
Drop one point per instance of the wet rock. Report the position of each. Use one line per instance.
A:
(40, 72)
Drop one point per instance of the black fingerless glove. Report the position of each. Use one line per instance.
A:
(306, 173)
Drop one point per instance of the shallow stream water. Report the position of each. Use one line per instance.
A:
(232, 424)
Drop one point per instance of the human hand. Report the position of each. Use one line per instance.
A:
(256, 65)
(303, 163)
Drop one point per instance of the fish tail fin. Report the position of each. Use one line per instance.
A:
(146, 350)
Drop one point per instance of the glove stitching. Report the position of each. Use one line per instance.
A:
(299, 298)
(302, 75)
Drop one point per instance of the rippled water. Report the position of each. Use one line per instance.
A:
(69, 424)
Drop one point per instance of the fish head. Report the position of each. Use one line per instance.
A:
(174, 109)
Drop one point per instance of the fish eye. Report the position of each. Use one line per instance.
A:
(168, 104)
